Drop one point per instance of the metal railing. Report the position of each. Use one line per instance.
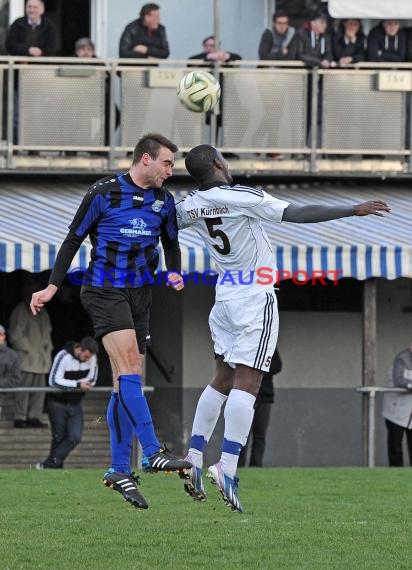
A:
(370, 393)
(136, 454)
(66, 114)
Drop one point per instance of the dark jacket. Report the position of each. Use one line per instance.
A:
(267, 392)
(312, 50)
(273, 46)
(409, 45)
(136, 33)
(343, 48)
(21, 36)
(203, 55)
(10, 376)
(382, 47)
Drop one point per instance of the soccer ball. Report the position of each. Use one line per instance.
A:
(199, 91)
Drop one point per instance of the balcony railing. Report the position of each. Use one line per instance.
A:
(69, 115)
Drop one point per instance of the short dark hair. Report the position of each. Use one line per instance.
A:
(279, 14)
(90, 344)
(147, 8)
(199, 161)
(151, 143)
(207, 39)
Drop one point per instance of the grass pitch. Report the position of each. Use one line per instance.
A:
(346, 518)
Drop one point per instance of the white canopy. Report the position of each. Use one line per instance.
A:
(381, 9)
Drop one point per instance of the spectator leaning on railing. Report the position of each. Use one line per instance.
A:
(349, 42)
(74, 372)
(145, 37)
(33, 34)
(315, 44)
(280, 41)
(387, 42)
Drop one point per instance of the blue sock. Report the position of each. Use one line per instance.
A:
(121, 435)
(135, 405)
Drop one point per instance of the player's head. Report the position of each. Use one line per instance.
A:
(206, 164)
(153, 159)
(151, 144)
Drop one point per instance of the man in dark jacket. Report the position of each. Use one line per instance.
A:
(260, 424)
(10, 376)
(210, 53)
(349, 42)
(33, 34)
(145, 37)
(387, 42)
(280, 41)
(315, 43)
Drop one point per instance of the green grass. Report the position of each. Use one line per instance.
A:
(294, 518)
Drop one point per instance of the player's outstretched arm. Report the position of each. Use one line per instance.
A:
(318, 213)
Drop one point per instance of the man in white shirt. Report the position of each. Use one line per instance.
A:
(74, 371)
(244, 320)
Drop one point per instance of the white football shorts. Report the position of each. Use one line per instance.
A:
(245, 331)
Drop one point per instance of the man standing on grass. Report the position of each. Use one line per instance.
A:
(244, 319)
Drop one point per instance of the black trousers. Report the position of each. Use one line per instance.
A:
(257, 436)
(394, 438)
(67, 426)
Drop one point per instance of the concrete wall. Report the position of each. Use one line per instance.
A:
(317, 417)
(189, 21)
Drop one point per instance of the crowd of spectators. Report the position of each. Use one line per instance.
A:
(319, 42)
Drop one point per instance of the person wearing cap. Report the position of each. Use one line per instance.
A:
(84, 47)
(315, 43)
(10, 376)
(397, 408)
(145, 37)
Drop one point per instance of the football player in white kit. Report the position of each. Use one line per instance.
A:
(244, 319)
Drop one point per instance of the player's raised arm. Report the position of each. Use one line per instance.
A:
(317, 213)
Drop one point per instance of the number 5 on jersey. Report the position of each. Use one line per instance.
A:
(224, 249)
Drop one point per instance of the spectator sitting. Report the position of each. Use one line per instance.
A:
(315, 44)
(33, 34)
(10, 376)
(209, 52)
(387, 42)
(280, 41)
(349, 43)
(145, 37)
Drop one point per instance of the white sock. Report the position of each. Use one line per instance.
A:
(239, 414)
(207, 413)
